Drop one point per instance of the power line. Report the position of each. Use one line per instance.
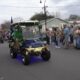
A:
(30, 7)
(6, 6)
(33, 7)
(18, 6)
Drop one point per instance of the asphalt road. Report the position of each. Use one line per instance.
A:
(63, 65)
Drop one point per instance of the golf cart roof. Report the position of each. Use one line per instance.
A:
(27, 23)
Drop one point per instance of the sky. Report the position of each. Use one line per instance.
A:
(27, 8)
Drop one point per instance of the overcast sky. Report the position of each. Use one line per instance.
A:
(26, 8)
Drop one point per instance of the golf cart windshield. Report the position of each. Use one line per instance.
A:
(29, 29)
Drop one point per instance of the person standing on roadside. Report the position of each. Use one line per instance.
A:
(71, 35)
(62, 37)
(47, 36)
(58, 32)
(66, 31)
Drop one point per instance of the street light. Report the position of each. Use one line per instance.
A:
(45, 13)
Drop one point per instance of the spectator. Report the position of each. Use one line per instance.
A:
(55, 37)
(62, 37)
(71, 35)
(58, 38)
(47, 36)
(66, 36)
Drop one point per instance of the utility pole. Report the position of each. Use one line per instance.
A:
(45, 13)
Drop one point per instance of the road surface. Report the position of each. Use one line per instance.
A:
(63, 65)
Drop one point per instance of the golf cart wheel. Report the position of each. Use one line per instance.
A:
(13, 54)
(26, 59)
(46, 55)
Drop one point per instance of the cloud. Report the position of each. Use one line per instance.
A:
(18, 8)
(66, 7)
(27, 8)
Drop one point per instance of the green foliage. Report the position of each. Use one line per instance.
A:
(5, 25)
(41, 16)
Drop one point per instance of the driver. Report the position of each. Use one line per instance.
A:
(17, 36)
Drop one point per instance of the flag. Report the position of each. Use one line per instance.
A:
(11, 20)
(11, 28)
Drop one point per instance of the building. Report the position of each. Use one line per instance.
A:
(53, 22)
(75, 22)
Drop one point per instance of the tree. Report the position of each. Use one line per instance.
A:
(74, 17)
(6, 25)
(40, 16)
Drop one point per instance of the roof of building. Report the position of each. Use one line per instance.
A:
(27, 23)
(52, 19)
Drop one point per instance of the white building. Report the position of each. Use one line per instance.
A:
(53, 22)
(75, 22)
